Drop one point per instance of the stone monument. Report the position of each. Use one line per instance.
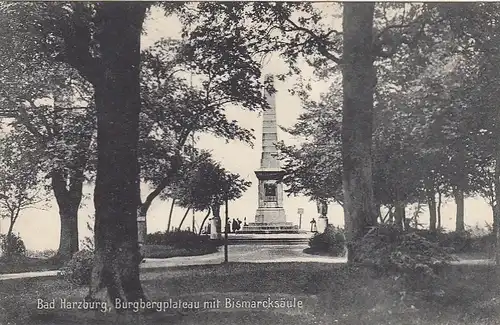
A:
(270, 216)
(322, 218)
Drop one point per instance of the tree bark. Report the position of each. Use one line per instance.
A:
(204, 220)
(117, 191)
(68, 201)
(143, 210)
(431, 202)
(461, 183)
(359, 80)
(8, 248)
(170, 215)
(400, 214)
(184, 218)
(430, 193)
(459, 200)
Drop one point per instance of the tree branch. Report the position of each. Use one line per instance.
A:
(78, 40)
(25, 120)
(320, 42)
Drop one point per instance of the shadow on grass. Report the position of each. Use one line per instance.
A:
(312, 251)
(333, 294)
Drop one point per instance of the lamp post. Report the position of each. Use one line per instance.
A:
(226, 190)
(226, 258)
(300, 211)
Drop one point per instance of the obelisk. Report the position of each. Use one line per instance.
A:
(270, 193)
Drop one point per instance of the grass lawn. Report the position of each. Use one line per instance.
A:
(28, 264)
(32, 264)
(162, 251)
(330, 294)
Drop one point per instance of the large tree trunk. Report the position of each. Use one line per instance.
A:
(359, 80)
(459, 200)
(68, 242)
(68, 201)
(400, 214)
(117, 191)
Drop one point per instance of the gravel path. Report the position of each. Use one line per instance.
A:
(239, 253)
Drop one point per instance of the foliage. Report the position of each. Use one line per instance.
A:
(428, 129)
(181, 239)
(173, 110)
(314, 168)
(43, 254)
(19, 188)
(79, 269)
(331, 241)
(461, 241)
(175, 107)
(389, 250)
(12, 246)
(88, 242)
(205, 183)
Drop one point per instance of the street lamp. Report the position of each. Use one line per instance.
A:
(300, 211)
(226, 199)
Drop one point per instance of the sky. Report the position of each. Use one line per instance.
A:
(39, 228)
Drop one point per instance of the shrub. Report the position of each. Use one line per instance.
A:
(484, 243)
(78, 270)
(12, 246)
(46, 253)
(332, 241)
(461, 242)
(88, 242)
(181, 239)
(389, 250)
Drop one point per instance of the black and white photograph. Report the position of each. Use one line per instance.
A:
(249, 162)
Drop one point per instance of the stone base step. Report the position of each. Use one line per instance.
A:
(269, 228)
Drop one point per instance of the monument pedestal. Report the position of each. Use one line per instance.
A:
(215, 228)
(322, 224)
(270, 215)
